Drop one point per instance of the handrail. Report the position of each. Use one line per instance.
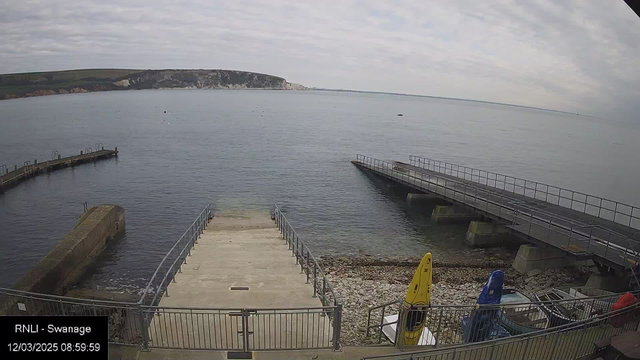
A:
(502, 205)
(298, 248)
(66, 299)
(307, 262)
(543, 189)
(552, 302)
(381, 324)
(187, 242)
(583, 324)
(586, 304)
(141, 325)
(293, 308)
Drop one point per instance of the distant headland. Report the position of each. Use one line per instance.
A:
(88, 80)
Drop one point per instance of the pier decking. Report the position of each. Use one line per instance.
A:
(9, 179)
(534, 215)
(241, 278)
(240, 251)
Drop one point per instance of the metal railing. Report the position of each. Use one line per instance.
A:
(445, 321)
(564, 233)
(173, 260)
(243, 329)
(56, 160)
(566, 342)
(126, 320)
(190, 328)
(615, 211)
(308, 263)
(313, 271)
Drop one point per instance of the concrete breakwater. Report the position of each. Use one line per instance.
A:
(9, 179)
(68, 261)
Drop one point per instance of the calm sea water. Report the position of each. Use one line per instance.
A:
(245, 150)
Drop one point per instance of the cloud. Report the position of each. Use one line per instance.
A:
(577, 56)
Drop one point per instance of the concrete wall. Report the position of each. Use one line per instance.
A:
(68, 260)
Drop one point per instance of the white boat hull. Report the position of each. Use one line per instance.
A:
(389, 330)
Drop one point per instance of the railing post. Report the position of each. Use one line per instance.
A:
(607, 248)
(315, 282)
(307, 265)
(324, 291)
(301, 259)
(439, 327)
(399, 340)
(245, 330)
(144, 329)
(337, 327)
(555, 342)
(493, 348)
(384, 308)
(526, 347)
(578, 345)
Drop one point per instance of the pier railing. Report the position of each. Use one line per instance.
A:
(612, 210)
(313, 271)
(9, 179)
(445, 322)
(583, 240)
(173, 260)
(308, 264)
(567, 342)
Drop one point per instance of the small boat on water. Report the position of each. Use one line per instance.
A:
(523, 316)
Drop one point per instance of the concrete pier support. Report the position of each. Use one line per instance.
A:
(531, 257)
(424, 200)
(452, 214)
(486, 234)
(608, 282)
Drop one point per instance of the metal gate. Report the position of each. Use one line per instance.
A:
(243, 330)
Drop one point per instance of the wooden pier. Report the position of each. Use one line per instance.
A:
(12, 178)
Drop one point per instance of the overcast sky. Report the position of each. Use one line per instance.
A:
(577, 56)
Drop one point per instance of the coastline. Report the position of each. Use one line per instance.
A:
(20, 85)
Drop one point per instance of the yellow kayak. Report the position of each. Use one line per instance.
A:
(416, 301)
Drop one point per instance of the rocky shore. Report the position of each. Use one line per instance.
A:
(362, 282)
